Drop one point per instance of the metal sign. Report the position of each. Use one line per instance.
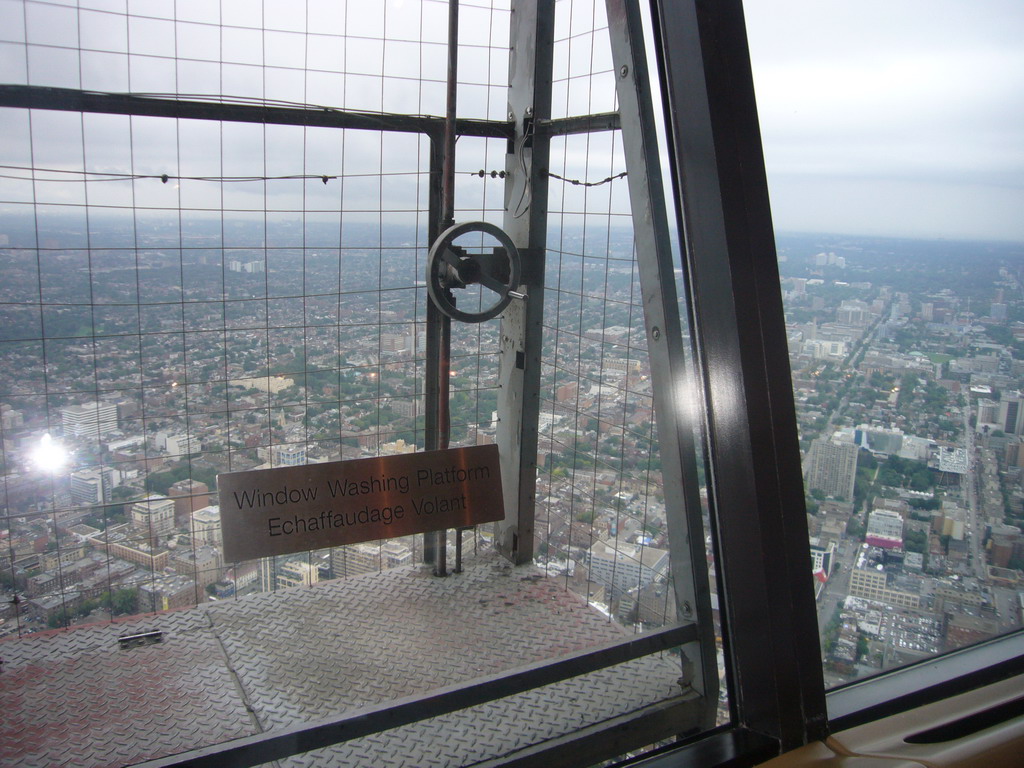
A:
(279, 511)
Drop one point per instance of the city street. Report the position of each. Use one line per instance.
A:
(975, 531)
(838, 587)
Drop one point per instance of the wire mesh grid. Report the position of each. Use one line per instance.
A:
(187, 297)
(376, 57)
(601, 515)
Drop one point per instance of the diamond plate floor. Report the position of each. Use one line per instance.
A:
(272, 660)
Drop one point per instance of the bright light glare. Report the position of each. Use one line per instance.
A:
(49, 455)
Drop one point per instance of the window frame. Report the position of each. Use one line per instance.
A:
(730, 271)
(730, 265)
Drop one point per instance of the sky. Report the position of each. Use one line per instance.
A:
(899, 117)
(880, 117)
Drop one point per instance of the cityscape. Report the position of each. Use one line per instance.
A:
(757, 392)
(131, 376)
(907, 370)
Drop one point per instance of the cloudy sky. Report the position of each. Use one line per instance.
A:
(902, 117)
(895, 117)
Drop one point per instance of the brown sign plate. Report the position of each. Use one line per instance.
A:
(278, 511)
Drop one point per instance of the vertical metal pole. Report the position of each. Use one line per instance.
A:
(439, 325)
(522, 332)
(434, 324)
(677, 426)
(444, 424)
(448, 179)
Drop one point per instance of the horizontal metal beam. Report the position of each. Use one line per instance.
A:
(728, 747)
(610, 738)
(285, 742)
(70, 100)
(564, 126)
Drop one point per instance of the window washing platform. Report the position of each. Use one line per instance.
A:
(164, 684)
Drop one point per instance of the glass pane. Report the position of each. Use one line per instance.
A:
(188, 298)
(893, 161)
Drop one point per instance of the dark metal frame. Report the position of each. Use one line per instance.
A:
(767, 608)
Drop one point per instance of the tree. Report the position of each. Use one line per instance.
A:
(921, 480)
(862, 646)
(125, 601)
(585, 515)
(123, 493)
(866, 459)
(915, 541)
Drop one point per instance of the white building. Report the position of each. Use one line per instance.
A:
(271, 384)
(297, 573)
(288, 455)
(822, 349)
(153, 516)
(822, 556)
(206, 529)
(369, 557)
(885, 528)
(276, 573)
(89, 419)
(91, 486)
(10, 419)
(621, 566)
(175, 444)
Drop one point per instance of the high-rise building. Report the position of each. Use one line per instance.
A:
(153, 516)
(823, 556)
(988, 411)
(206, 527)
(885, 529)
(10, 419)
(369, 557)
(832, 468)
(91, 486)
(288, 455)
(853, 312)
(89, 419)
(189, 495)
(621, 567)
(1011, 413)
(276, 573)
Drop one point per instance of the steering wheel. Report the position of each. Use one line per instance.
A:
(451, 266)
